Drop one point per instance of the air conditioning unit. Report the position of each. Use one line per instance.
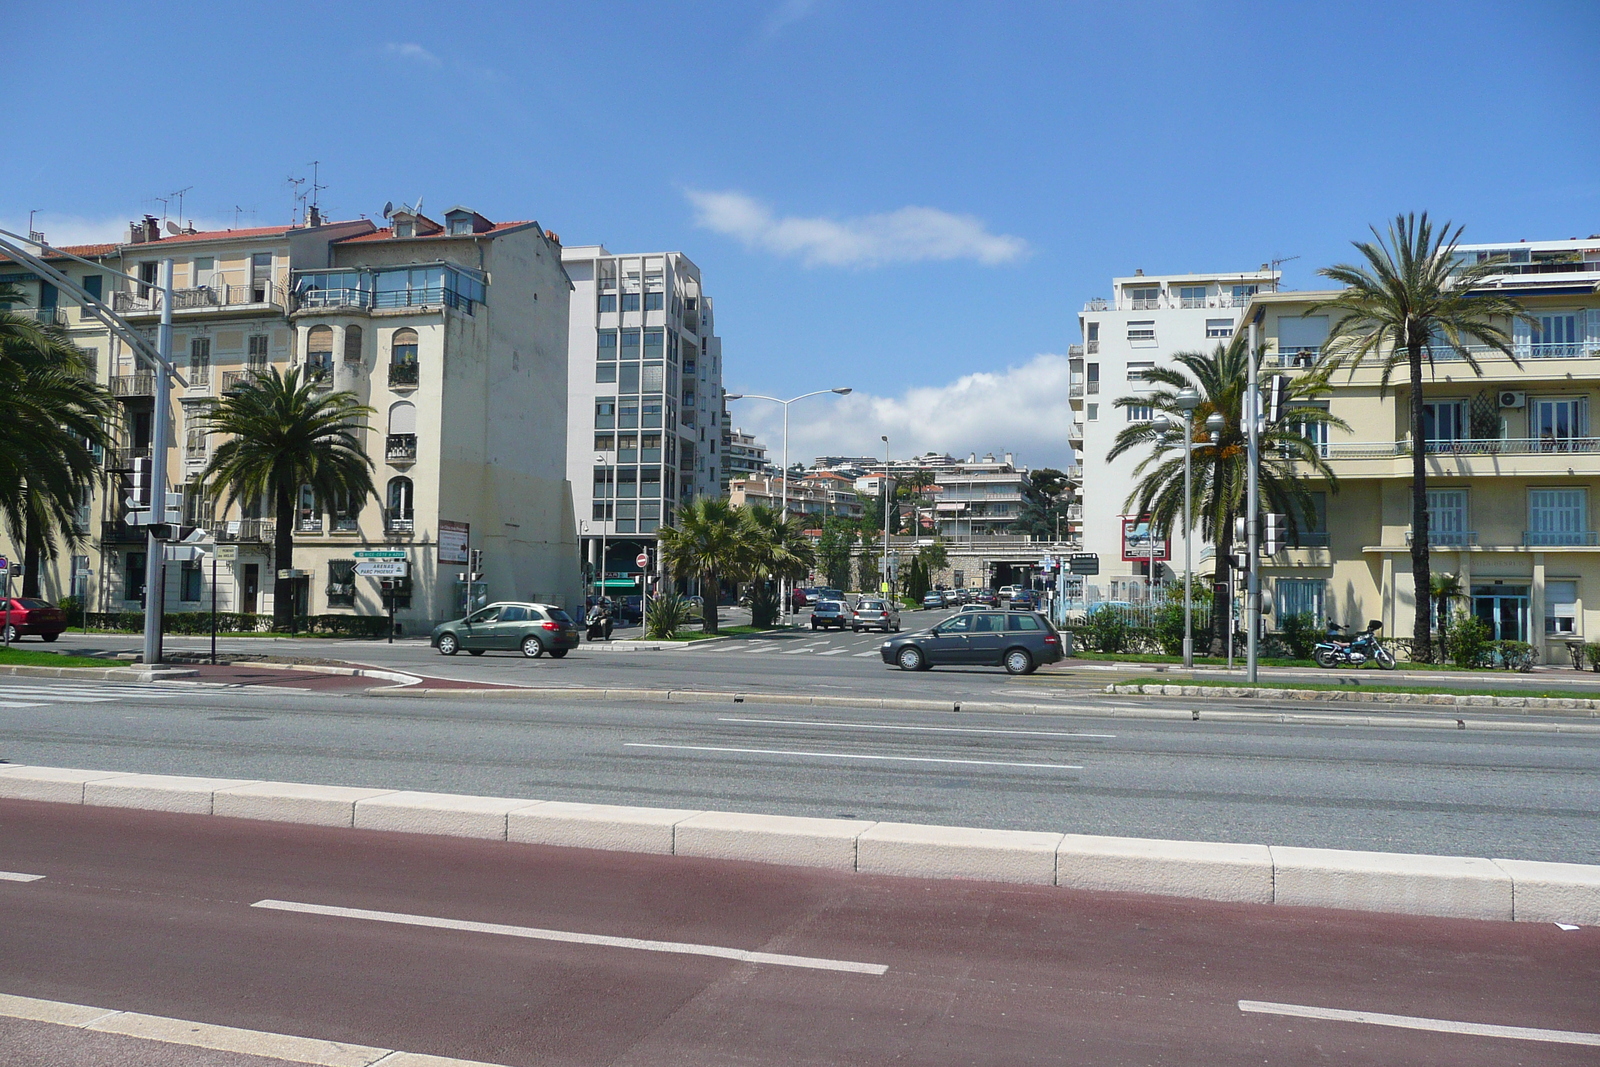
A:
(1510, 399)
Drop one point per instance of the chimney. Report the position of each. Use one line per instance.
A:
(972, 457)
(1138, 272)
(314, 216)
(1010, 461)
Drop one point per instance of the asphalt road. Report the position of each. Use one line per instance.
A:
(1514, 793)
(207, 920)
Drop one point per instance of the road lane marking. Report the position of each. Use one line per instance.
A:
(1412, 1022)
(859, 655)
(834, 652)
(187, 1032)
(13, 876)
(535, 933)
(917, 729)
(20, 704)
(856, 755)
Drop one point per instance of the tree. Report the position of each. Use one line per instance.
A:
(933, 557)
(53, 419)
(774, 549)
(705, 541)
(1410, 298)
(912, 491)
(1222, 378)
(1044, 505)
(1446, 590)
(284, 436)
(833, 551)
(868, 572)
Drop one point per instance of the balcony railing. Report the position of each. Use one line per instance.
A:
(1098, 303)
(1488, 446)
(397, 520)
(124, 458)
(401, 448)
(1145, 303)
(258, 531)
(1448, 538)
(404, 374)
(235, 379)
(309, 524)
(1535, 538)
(1091, 347)
(1074, 351)
(128, 385)
(204, 297)
(199, 378)
(1075, 389)
(45, 316)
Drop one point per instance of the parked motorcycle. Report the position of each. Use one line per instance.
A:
(1353, 651)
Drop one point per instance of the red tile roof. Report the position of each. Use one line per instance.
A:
(86, 251)
(387, 233)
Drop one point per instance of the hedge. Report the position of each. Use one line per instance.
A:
(233, 622)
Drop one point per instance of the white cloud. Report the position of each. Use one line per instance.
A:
(1024, 410)
(414, 52)
(786, 14)
(908, 235)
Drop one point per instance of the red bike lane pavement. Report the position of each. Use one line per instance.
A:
(152, 912)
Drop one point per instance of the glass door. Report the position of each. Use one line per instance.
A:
(1504, 609)
(1559, 421)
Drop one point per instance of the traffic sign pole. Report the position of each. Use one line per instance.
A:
(5, 627)
(155, 558)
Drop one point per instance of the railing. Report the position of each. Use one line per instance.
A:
(199, 378)
(1488, 446)
(124, 458)
(1448, 538)
(1560, 537)
(1074, 512)
(142, 384)
(309, 524)
(401, 374)
(1092, 347)
(1074, 351)
(1301, 356)
(401, 448)
(1075, 433)
(1195, 302)
(236, 379)
(201, 298)
(251, 530)
(1075, 389)
(45, 316)
(335, 298)
(423, 297)
(397, 520)
(344, 524)
(1145, 303)
(1094, 388)
(1098, 303)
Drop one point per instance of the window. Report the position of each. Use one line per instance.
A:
(1557, 421)
(653, 341)
(1138, 412)
(201, 270)
(650, 481)
(341, 583)
(604, 479)
(650, 450)
(627, 481)
(1146, 299)
(630, 344)
(630, 301)
(1315, 432)
(607, 302)
(308, 513)
(1558, 517)
(189, 581)
(399, 498)
(654, 379)
(1094, 377)
(1022, 622)
(1312, 524)
(628, 448)
(1557, 335)
(1444, 420)
(260, 276)
(654, 301)
(1192, 296)
(605, 372)
(629, 380)
(1219, 327)
(652, 412)
(1142, 334)
(605, 345)
(199, 354)
(1447, 517)
(604, 442)
(319, 352)
(403, 348)
(1139, 372)
(1561, 607)
(1300, 338)
(605, 413)
(147, 278)
(346, 510)
(1094, 333)
(258, 351)
(352, 344)
(1094, 412)
(405, 228)
(1299, 596)
(628, 414)
(94, 285)
(626, 514)
(1243, 293)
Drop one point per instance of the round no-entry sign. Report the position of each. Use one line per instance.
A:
(642, 559)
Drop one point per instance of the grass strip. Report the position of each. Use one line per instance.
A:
(27, 657)
(1223, 683)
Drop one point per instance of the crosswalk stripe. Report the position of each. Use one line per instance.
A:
(18, 704)
(834, 652)
(859, 655)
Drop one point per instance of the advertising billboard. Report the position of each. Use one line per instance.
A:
(1136, 535)
(453, 538)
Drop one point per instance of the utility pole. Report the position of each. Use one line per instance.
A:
(155, 568)
(1252, 504)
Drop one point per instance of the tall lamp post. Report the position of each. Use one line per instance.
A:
(605, 510)
(1186, 402)
(844, 391)
(884, 563)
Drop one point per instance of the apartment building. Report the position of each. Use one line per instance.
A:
(742, 454)
(1141, 326)
(644, 416)
(453, 331)
(1513, 462)
(814, 498)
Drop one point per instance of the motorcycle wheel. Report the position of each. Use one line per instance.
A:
(1327, 658)
(1385, 658)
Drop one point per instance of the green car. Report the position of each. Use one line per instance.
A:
(532, 629)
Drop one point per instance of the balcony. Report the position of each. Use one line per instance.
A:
(308, 524)
(1448, 538)
(1488, 446)
(45, 316)
(1075, 390)
(1145, 303)
(233, 380)
(401, 448)
(257, 531)
(115, 531)
(127, 386)
(123, 459)
(1098, 303)
(202, 298)
(1552, 538)
(404, 375)
(199, 378)
(1092, 347)
(397, 520)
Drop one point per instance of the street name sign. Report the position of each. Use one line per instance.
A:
(381, 553)
(382, 568)
(227, 553)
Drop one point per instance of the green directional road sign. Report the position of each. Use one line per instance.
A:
(381, 553)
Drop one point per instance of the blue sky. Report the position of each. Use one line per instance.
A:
(912, 199)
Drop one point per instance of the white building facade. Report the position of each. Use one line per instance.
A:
(1145, 323)
(644, 410)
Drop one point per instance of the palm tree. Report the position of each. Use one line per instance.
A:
(1446, 590)
(705, 542)
(1222, 379)
(776, 549)
(53, 419)
(284, 435)
(1411, 298)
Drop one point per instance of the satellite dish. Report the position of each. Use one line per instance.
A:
(388, 208)
(418, 209)
(172, 227)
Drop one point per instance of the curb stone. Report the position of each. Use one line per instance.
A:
(98, 674)
(1357, 696)
(1446, 886)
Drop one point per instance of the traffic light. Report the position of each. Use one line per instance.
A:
(1274, 534)
(1277, 397)
(475, 567)
(139, 486)
(1240, 559)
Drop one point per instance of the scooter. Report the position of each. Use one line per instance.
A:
(1354, 651)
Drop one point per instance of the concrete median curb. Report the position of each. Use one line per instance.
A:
(1361, 696)
(97, 674)
(1447, 886)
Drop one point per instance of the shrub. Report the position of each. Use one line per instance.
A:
(1301, 634)
(668, 614)
(1591, 655)
(764, 605)
(1467, 640)
(1513, 655)
(1104, 630)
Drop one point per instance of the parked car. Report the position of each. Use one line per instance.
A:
(533, 629)
(1020, 641)
(799, 598)
(932, 599)
(829, 613)
(871, 613)
(30, 615)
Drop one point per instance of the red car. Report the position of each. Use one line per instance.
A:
(29, 615)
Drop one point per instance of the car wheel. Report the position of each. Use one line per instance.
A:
(557, 653)
(1018, 661)
(448, 645)
(474, 651)
(532, 647)
(49, 637)
(855, 629)
(910, 658)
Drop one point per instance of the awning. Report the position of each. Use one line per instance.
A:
(620, 583)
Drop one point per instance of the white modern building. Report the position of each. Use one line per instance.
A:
(644, 410)
(1146, 321)
(742, 455)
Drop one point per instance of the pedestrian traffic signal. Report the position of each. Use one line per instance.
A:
(139, 486)
(1274, 534)
(1277, 397)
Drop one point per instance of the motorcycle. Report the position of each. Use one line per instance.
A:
(1353, 651)
(599, 622)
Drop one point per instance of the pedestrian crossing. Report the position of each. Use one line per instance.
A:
(38, 695)
(813, 647)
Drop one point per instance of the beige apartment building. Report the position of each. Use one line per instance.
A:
(1514, 465)
(453, 331)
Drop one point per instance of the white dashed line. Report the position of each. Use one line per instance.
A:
(12, 876)
(1412, 1022)
(916, 729)
(857, 755)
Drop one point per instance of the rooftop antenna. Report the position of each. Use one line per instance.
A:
(179, 195)
(163, 202)
(298, 198)
(1278, 261)
(418, 209)
(315, 186)
(237, 211)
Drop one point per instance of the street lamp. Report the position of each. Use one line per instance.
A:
(884, 563)
(605, 510)
(843, 391)
(1186, 402)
